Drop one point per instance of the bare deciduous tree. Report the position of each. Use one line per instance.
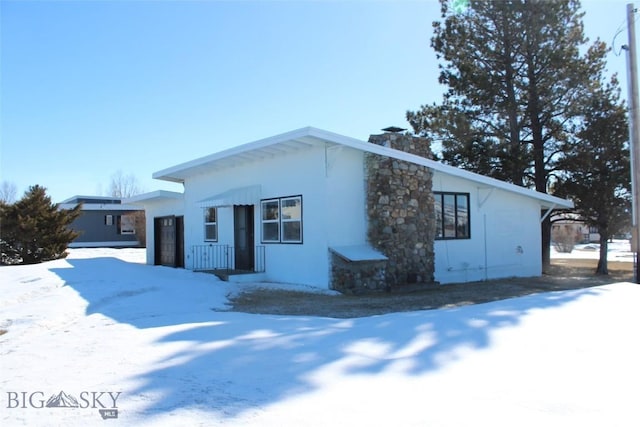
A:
(8, 192)
(127, 185)
(124, 185)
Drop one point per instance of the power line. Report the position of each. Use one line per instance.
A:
(623, 26)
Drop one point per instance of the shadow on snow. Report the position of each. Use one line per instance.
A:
(232, 362)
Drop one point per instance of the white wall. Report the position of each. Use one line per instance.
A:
(331, 183)
(505, 236)
(155, 209)
(346, 188)
(505, 227)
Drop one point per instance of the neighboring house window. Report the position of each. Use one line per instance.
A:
(282, 220)
(211, 224)
(452, 215)
(593, 229)
(108, 220)
(127, 224)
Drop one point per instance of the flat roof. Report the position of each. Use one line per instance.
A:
(154, 196)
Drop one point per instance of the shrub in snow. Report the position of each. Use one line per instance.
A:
(564, 238)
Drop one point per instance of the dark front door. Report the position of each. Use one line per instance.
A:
(166, 241)
(180, 241)
(169, 248)
(243, 237)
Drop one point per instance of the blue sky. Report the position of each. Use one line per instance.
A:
(88, 88)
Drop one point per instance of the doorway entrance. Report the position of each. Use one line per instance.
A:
(243, 237)
(169, 241)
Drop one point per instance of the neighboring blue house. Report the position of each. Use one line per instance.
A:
(104, 222)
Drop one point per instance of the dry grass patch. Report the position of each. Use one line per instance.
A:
(564, 274)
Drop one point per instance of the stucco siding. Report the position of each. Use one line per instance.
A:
(156, 209)
(331, 184)
(345, 207)
(505, 236)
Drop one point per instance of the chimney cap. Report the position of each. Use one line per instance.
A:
(393, 129)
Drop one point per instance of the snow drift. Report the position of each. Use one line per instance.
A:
(101, 321)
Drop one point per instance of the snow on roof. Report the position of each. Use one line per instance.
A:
(308, 137)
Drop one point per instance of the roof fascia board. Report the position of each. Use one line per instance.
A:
(71, 199)
(100, 207)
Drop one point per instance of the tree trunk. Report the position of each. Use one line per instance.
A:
(602, 267)
(515, 144)
(545, 228)
(539, 167)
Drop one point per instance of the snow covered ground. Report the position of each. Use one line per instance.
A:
(101, 335)
(617, 250)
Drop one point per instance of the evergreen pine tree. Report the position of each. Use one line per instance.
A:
(516, 77)
(596, 167)
(34, 229)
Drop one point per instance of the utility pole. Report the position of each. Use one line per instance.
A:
(634, 133)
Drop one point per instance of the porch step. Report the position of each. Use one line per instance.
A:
(239, 276)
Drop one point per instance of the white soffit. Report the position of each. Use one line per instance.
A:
(278, 145)
(308, 137)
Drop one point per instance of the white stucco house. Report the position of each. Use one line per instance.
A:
(317, 208)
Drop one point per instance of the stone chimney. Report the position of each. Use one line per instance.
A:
(400, 209)
(407, 143)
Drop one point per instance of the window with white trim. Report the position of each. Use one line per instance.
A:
(452, 215)
(211, 224)
(126, 224)
(270, 221)
(282, 220)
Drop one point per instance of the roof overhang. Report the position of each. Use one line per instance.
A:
(309, 137)
(158, 196)
(74, 199)
(100, 207)
(278, 145)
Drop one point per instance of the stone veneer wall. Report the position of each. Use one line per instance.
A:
(357, 277)
(400, 210)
